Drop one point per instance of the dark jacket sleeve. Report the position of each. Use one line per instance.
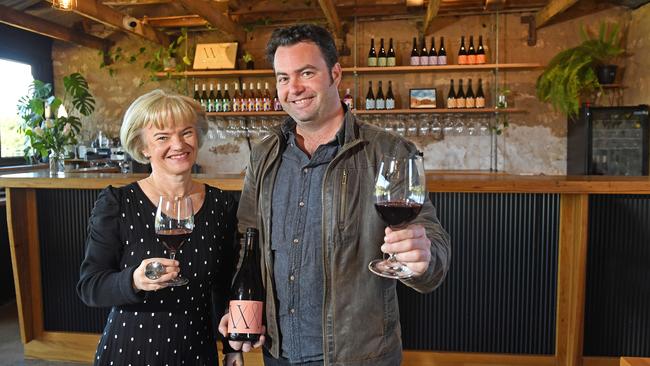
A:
(221, 288)
(102, 282)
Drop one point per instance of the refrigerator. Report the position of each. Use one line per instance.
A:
(608, 141)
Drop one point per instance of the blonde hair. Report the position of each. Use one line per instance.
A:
(161, 109)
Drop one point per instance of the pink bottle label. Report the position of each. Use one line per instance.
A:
(480, 59)
(442, 60)
(424, 60)
(415, 60)
(245, 317)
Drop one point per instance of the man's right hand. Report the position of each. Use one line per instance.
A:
(244, 346)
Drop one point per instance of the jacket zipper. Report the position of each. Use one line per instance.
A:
(344, 195)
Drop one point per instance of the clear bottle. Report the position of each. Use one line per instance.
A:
(390, 98)
(390, 57)
(442, 53)
(380, 101)
(451, 96)
(370, 97)
(424, 54)
(415, 55)
(372, 54)
(381, 59)
(462, 52)
(348, 99)
(433, 55)
(246, 307)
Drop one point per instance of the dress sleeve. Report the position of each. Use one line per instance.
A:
(102, 282)
(221, 289)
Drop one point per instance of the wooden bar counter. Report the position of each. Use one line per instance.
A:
(530, 282)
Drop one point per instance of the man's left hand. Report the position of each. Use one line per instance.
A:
(410, 246)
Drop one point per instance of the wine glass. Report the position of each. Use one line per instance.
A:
(174, 223)
(399, 195)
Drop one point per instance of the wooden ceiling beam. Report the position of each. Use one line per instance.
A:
(215, 17)
(432, 11)
(188, 21)
(134, 2)
(332, 17)
(101, 13)
(41, 26)
(553, 8)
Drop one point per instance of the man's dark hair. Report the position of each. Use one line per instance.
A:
(303, 33)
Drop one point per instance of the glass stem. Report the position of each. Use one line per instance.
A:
(172, 254)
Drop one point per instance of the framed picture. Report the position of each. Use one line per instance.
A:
(215, 56)
(422, 98)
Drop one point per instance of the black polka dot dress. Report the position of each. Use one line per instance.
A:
(172, 326)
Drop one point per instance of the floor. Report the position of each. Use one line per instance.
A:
(11, 349)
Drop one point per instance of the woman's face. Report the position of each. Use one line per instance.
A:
(171, 150)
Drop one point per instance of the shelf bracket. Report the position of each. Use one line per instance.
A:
(532, 29)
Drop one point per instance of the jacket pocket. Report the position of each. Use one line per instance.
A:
(343, 199)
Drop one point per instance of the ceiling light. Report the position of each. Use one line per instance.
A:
(65, 5)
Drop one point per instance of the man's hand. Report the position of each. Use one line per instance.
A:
(233, 359)
(244, 346)
(410, 246)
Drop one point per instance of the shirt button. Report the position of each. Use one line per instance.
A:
(295, 241)
(305, 170)
(292, 311)
(301, 204)
(292, 277)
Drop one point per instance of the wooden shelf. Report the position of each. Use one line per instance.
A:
(383, 111)
(360, 70)
(613, 86)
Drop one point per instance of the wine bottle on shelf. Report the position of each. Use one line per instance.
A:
(390, 57)
(259, 98)
(471, 52)
(380, 101)
(218, 102)
(237, 99)
(433, 55)
(251, 98)
(204, 98)
(480, 97)
(197, 96)
(462, 52)
(451, 96)
(277, 106)
(348, 99)
(370, 97)
(424, 54)
(267, 103)
(415, 56)
(390, 98)
(470, 101)
(211, 99)
(246, 306)
(372, 54)
(442, 53)
(480, 52)
(226, 104)
(243, 104)
(460, 96)
(381, 59)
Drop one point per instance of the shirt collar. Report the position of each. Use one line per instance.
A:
(289, 131)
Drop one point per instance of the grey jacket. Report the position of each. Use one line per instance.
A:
(360, 310)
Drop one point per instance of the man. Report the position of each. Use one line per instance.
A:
(309, 190)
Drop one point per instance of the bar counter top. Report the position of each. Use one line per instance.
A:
(437, 181)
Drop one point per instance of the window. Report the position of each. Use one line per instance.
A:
(16, 77)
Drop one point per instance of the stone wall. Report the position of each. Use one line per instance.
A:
(534, 143)
(637, 77)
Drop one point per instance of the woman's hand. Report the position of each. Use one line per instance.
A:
(233, 359)
(244, 346)
(142, 282)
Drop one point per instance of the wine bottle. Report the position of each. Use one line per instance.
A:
(204, 98)
(480, 97)
(380, 101)
(460, 96)
(251, 98)
(442, 53)
(218, 102)
(267, 102)
(245, 310)
(415, 56)
(243, 101)
(348, 99)
(471, 52)
(259, 98)
(480, 52)
(424, 54)
(370, 97)
(372, 54)
(433, 56)
(470, 101)
(197, 96)
(462, 52)
(211, 99)
(381, 59)
(390, 57)
(226, 103)
(390, 98)
(277, 106)
(451, 97)
(236, 99)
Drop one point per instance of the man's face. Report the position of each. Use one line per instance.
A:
(306, 88)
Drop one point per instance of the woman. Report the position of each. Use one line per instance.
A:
(150, 323)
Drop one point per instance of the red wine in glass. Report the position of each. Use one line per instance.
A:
(174, 223)
(399, 195)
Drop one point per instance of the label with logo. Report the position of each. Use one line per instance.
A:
(245, 317)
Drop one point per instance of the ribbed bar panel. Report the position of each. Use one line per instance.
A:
(500, 293)
(617, 305)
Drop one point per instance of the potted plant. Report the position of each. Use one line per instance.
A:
(571, 76)
(51, 123)
(248, 60)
